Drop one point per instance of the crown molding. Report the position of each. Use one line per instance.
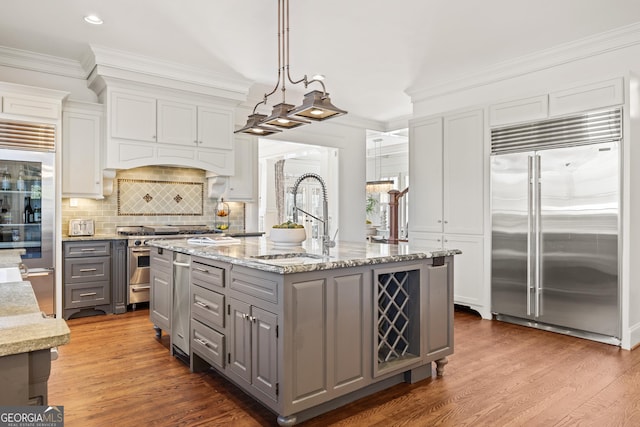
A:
(174, 75)
(40, 62)
(587, 47)
(35, 92)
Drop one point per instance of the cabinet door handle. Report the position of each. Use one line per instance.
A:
(201, 304)
(202, 342)
(86, 270)
(446, 222)
(89, 294)
(439, 221)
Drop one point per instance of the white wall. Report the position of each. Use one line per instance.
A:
(623, 61)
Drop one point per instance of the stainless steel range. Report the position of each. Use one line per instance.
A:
(138, 253)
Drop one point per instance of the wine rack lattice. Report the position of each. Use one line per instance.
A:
(393, 316)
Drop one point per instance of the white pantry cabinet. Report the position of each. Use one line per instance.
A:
(81, 145)
(446, 207)
(446, 168)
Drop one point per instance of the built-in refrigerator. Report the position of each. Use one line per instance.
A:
(27, 203)
(555, 201)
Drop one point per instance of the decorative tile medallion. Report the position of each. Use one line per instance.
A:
(148, 198)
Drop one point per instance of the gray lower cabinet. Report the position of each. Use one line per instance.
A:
(161, 291)
(87, 278)
(253, 351)
(208, 314)
(119, 276)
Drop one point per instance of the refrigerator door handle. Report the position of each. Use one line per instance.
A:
(538, 226)
(529, 231)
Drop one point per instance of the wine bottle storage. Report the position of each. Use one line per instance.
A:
(20, 205)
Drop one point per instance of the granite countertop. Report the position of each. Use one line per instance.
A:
(114, 236)
(262, 254)
(23, 327)
(11, 257)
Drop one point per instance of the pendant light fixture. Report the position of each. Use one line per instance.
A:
(379, 185)
(316, 105)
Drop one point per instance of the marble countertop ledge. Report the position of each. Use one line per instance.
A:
(262, 254)
(10, 257)
(23, 327)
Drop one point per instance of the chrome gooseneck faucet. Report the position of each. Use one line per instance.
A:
(326, 240)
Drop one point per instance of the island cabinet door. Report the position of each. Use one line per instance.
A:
(160, 299)
(328, 337)
(239, 359)
(253, 353)
(439, 336)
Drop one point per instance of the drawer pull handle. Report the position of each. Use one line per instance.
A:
(204, 270)
(141, 288)
(201, 304)
(87, 270)
(87, 249)
(202, 342)
(89, 294)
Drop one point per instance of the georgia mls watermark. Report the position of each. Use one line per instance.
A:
(31, 416)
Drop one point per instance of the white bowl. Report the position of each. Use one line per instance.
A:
(287, 236)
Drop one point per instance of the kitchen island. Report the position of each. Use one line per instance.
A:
(301, 332)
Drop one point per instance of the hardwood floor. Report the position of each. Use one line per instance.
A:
(115, 373)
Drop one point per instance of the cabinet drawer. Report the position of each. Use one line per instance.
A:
(86, 248)
(206, 275)
(208, 344)
(86, 294)
(258, 286)
(207, 306)
(91, 269)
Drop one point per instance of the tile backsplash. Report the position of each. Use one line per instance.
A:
(105, 212)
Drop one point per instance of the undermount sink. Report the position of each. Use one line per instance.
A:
(291, 258)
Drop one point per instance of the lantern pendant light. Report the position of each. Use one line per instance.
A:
(316, 105)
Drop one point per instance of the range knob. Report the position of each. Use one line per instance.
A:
(137, 243)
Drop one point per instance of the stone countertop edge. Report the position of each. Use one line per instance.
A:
(23, 327)
(344, 255)
(67, 238)
(11, 257)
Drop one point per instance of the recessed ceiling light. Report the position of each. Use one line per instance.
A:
(93, 19)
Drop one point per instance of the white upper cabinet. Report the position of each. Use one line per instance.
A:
(587, 97)
(463, 188)
(133, 117)
(243, 185)
(148, 129)
(425, 169)
(215, 128)
(177, 123)
(446, 167)
(81, 139)
(519, 111)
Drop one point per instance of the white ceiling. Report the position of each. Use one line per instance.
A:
(370, 51)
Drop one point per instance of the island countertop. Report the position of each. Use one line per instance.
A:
(23, 327)
(262, 254)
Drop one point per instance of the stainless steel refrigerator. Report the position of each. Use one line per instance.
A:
(555, 194)
(27, 202)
